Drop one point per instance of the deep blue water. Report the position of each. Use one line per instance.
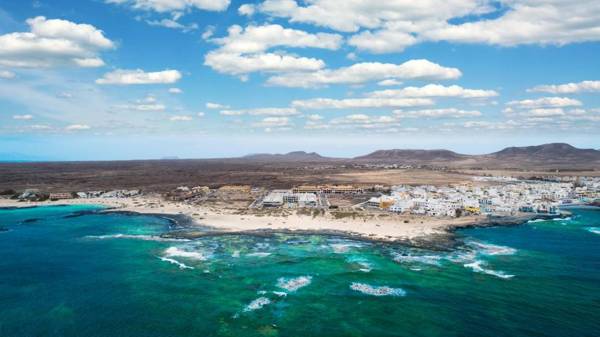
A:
(68, 272)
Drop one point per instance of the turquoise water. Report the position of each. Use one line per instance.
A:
(65, 271)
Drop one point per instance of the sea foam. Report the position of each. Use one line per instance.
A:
(293, 284)
(134, 237)
(478, 266)
(175, 262)
(595, 230)
(433, 260)
(176, 252)
(490, 249)
(258, 303)
(377, 291)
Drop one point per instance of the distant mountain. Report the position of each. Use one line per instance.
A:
(547, 151)
(295, 156)
(412, 155)
(546, 156)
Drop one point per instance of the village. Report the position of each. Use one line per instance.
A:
(485, 195)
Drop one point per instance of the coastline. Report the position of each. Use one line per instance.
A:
(190, 221)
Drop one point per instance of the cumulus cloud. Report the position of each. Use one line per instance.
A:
(77, 127)
(359, 103)
(393, 25)
(269, 122)
(244, 50)
(568, 88)
(211, 105)
(173, 24)
(180, 118)
(175, 91)
(544, 102)
(22, 117)
(54, 42)
(7, 75)
(262, 111)
(437, 113)
(366, 72)
(138, 76)
(435, 90)
(162, 6)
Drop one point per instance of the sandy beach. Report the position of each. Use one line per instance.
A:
(372, 226)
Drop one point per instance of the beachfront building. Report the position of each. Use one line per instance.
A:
(60, 196)
(280, 198)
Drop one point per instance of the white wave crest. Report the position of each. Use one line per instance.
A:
(176, 252)
(433, 260)
(258, 303)
(344, 247)
(377, 291)
(259, 254)
(595, 230)
(478, 266)
(293, 284)
(490, 249)
(175, 262)
(134, 237)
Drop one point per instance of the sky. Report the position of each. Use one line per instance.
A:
(146, 79)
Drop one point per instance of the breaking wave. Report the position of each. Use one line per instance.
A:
(135, 237)
(433, 260)
(175, 262)
(377, 291)
(490, 249)
(176, 252)
(478, 266)
(595, 230)
(259, 254)
(293, 284)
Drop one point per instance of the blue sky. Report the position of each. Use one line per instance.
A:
(131, 79)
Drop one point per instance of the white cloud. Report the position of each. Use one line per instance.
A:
(365, 72)
(211, 105)
(383, 41)
(255, 39)
(356, 14)
(262, 112)
(358, 103)
(545, 102)
(568, 88)
(437, 113)
(53, 43)
(22, 117)
(180, 118)
(208, 32)
(435, 90)
(244, 50)
(76, 127)
(393, 25)
(175, 91)
(236, 64)
(389, 83)
(172, 24)
(162, 6)
(7, 75)
(314, 117)
(200, 114)
(138, 76)
(246, 9)
(272, 122)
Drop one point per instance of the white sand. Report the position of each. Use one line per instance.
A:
(390, 227)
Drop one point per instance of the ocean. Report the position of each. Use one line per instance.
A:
(72, 271)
